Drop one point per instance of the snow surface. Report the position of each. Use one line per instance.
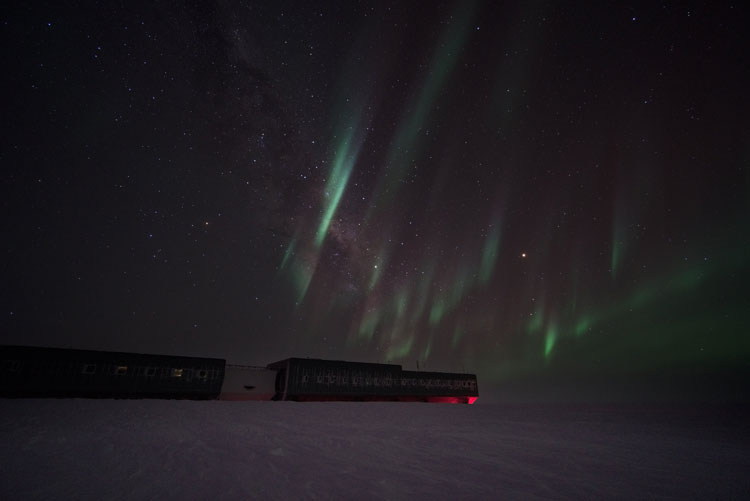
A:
(167, 449)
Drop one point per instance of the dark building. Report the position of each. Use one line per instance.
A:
(33, 372)
(305, 379)
(54, 372)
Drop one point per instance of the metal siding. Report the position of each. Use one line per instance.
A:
(61, 372)
(323, 377)
(438, 383)
(315, 378)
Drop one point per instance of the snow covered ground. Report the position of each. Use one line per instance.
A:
(159, 449)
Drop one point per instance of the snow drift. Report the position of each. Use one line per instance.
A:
(167, 449)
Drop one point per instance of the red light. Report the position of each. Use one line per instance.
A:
(472, 400)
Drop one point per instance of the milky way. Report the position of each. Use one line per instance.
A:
(550, 198)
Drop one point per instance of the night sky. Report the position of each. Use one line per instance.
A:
(551, 195)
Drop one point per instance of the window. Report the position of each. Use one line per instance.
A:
(176, 372)
(121, 370)
(88, 369)
(12, 365)
(202, 374)
(150, 371)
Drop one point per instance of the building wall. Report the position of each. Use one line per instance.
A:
(313, 379)
(55, 372)
(247, 383)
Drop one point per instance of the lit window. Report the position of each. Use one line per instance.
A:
(176, 372)
(121, 370)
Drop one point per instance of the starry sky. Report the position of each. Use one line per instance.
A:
(552, 196)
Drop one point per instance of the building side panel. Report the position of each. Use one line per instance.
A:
(314, 379)
(322, 377)
(30, 371)
(438, 383)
